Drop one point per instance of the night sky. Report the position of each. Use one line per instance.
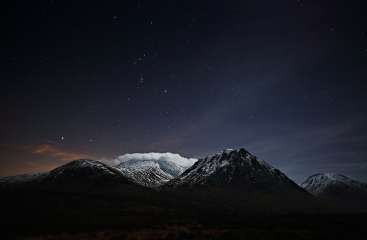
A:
(287, 80)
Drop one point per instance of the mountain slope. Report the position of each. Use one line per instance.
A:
(85, 172)
(168, 167)
(152, 169)
(148, 176)
(338, 189)
(321, 183)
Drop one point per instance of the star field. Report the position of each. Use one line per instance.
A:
(286, 80)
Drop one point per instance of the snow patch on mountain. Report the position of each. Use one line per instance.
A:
(170, 163)
(148, 176)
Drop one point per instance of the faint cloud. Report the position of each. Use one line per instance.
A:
(21, 158)
(52, 151)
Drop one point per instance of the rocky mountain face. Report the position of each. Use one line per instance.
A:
(147, 176)
(151, 172)
(168, 167)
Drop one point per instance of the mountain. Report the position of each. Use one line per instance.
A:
(321, 183)
(78, 175)
(338, 189)
(235, 169)
(236, 182)
(147, 176)
(85, 173)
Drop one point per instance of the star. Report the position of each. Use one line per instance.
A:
(165, 91)
(139, 59)
(115, 19)
(141, 79)
(62, 138)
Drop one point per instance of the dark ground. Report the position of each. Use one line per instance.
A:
(147, 215)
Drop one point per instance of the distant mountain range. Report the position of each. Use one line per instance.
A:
(232, 176)
(147, 173)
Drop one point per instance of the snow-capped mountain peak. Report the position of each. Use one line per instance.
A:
(321, 182)
(234, 168)
(228, 157)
